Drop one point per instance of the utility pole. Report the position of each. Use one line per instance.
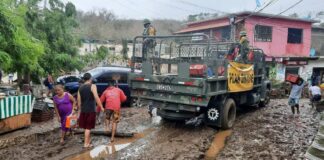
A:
(233, 27)
(45, 4)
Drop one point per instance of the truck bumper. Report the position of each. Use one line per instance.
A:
(178, 116)
(176, 111)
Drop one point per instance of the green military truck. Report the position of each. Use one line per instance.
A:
(189, 76)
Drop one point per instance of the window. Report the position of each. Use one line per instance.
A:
(263, 33)
(104, 78)
(226, 34)
(295, 35)
(110, 77)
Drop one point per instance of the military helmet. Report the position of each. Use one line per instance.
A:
(243, 33)
(146, 21)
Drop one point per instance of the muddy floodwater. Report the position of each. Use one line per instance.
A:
(265, 133)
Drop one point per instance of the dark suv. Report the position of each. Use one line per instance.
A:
(102, 75)
(70, 83)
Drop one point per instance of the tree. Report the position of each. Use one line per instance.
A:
(19, 50)
(54, 27)
(102, 52)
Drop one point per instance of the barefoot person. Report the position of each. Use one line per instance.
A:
(63, 103)
(113, 97)
(87, 99)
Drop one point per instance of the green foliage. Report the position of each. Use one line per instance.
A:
(34, 40)
(5, 60)
(70, 10)
(19, 49)
(54, 27)
(102, 52)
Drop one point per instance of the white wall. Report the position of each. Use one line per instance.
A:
(307, 71)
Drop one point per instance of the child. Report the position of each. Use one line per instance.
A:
(63, 103)
(113, 97)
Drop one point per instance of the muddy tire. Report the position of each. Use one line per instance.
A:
(266, 99)
(229, 114)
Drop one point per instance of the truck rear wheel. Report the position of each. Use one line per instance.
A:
(229, 114)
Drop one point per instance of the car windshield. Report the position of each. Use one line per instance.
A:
(95, 71)
(71, 79)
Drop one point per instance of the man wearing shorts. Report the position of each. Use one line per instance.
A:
(315, 93)
(87, 99)
(295, 95)
(113, 97)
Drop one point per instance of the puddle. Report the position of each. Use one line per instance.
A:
(217, 144)
(103, 151)
(156, 120)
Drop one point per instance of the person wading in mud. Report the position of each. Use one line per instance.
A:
(113, 97)
(49, 82)
(87, 99)
(295, 95)
(63, 103)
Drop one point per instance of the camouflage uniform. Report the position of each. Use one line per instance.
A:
(148, 43)
(244, 48)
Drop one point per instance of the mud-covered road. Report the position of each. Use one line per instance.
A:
(266, 133)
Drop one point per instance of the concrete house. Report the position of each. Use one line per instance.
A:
(285, 40)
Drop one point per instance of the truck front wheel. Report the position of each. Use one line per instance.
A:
(266, 99)
(229, 114)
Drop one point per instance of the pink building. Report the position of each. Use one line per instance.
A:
(286, 39)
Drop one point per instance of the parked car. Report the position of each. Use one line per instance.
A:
(8, 91)
(70, 83)
(102, 75)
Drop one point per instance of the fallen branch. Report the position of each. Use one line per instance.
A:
(104, 133)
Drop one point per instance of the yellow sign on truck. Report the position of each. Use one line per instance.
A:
(240, 77)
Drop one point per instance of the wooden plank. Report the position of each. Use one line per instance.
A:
(15, 122)
(104, 133)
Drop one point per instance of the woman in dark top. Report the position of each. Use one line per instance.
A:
(87, 99)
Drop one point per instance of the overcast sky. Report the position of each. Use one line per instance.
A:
(180, 9)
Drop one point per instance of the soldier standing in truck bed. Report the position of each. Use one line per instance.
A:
(148, 43)
(244, 48)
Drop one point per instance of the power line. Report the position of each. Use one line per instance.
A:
(202, 7)
(291, 7)
(176, 7)
(267, 5)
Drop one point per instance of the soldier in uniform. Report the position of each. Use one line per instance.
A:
(244, 48)
(148, 43)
